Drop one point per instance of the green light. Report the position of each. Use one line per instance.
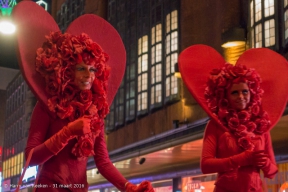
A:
(6, 6)
(6, 11)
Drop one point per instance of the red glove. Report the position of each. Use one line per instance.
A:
(144, 186)
(257, 158)
(58, 141)
(261, 159)
(80, 126)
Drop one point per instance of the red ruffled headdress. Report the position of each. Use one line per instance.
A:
(244, 124)
(197, 62)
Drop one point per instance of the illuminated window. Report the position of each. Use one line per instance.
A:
(13, 166)
(268, 8)
(269, 32)
(285, 21)
(262, 22)
(258, 35)
(171, 54)
(252, 14)
(156, 64)
(142, 74)
(258, 13)
(4, 169)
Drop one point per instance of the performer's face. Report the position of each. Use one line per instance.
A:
(239, 96)
(84, 76)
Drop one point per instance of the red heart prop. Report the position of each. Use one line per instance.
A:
(197, 61)
(33, 23)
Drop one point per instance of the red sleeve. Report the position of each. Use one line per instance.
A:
(40, 122)
(209, 161)
(104, 164)
(270, 169)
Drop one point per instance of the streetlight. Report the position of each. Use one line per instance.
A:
(7, 27)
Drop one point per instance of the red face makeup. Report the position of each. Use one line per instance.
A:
(84, 76)
(239, 96)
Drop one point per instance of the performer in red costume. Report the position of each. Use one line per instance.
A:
(237, 143)
(71, 82)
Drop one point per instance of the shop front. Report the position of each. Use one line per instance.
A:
(201, 183)
(205, 183)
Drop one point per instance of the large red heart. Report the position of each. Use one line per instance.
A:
(33, 23)
(196, 62)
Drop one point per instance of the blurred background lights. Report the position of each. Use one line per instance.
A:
(7, 27)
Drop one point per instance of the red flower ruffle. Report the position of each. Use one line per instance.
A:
(243, 124)
(55, 61)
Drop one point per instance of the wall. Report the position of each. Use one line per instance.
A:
(97, 7)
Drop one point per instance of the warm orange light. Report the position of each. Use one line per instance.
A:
(283, 187)
(177, 74)
(233, 44)
(232, 51)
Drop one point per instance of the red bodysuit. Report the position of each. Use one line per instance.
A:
(64, 168)
(219, 145)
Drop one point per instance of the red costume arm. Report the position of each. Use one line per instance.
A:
(209, 162)
(40, 122)
(104, 165)
(270, 169)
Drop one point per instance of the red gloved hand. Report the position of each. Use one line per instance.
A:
(58, 141)
(256, 158)
(144, 186)
(260, 158)
(80, 126)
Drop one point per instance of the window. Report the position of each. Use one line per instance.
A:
(262, 23)
(13, 166)
(130, 87)
(142, 74)
(119, 104)
(171, 53)
(156, 58)
(285, 21)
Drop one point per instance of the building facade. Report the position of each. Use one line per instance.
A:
(155, 127)
(19, 105)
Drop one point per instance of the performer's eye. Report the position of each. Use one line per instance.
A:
(245, 92)
(234, 92)
(79, 68)
(93, 69)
